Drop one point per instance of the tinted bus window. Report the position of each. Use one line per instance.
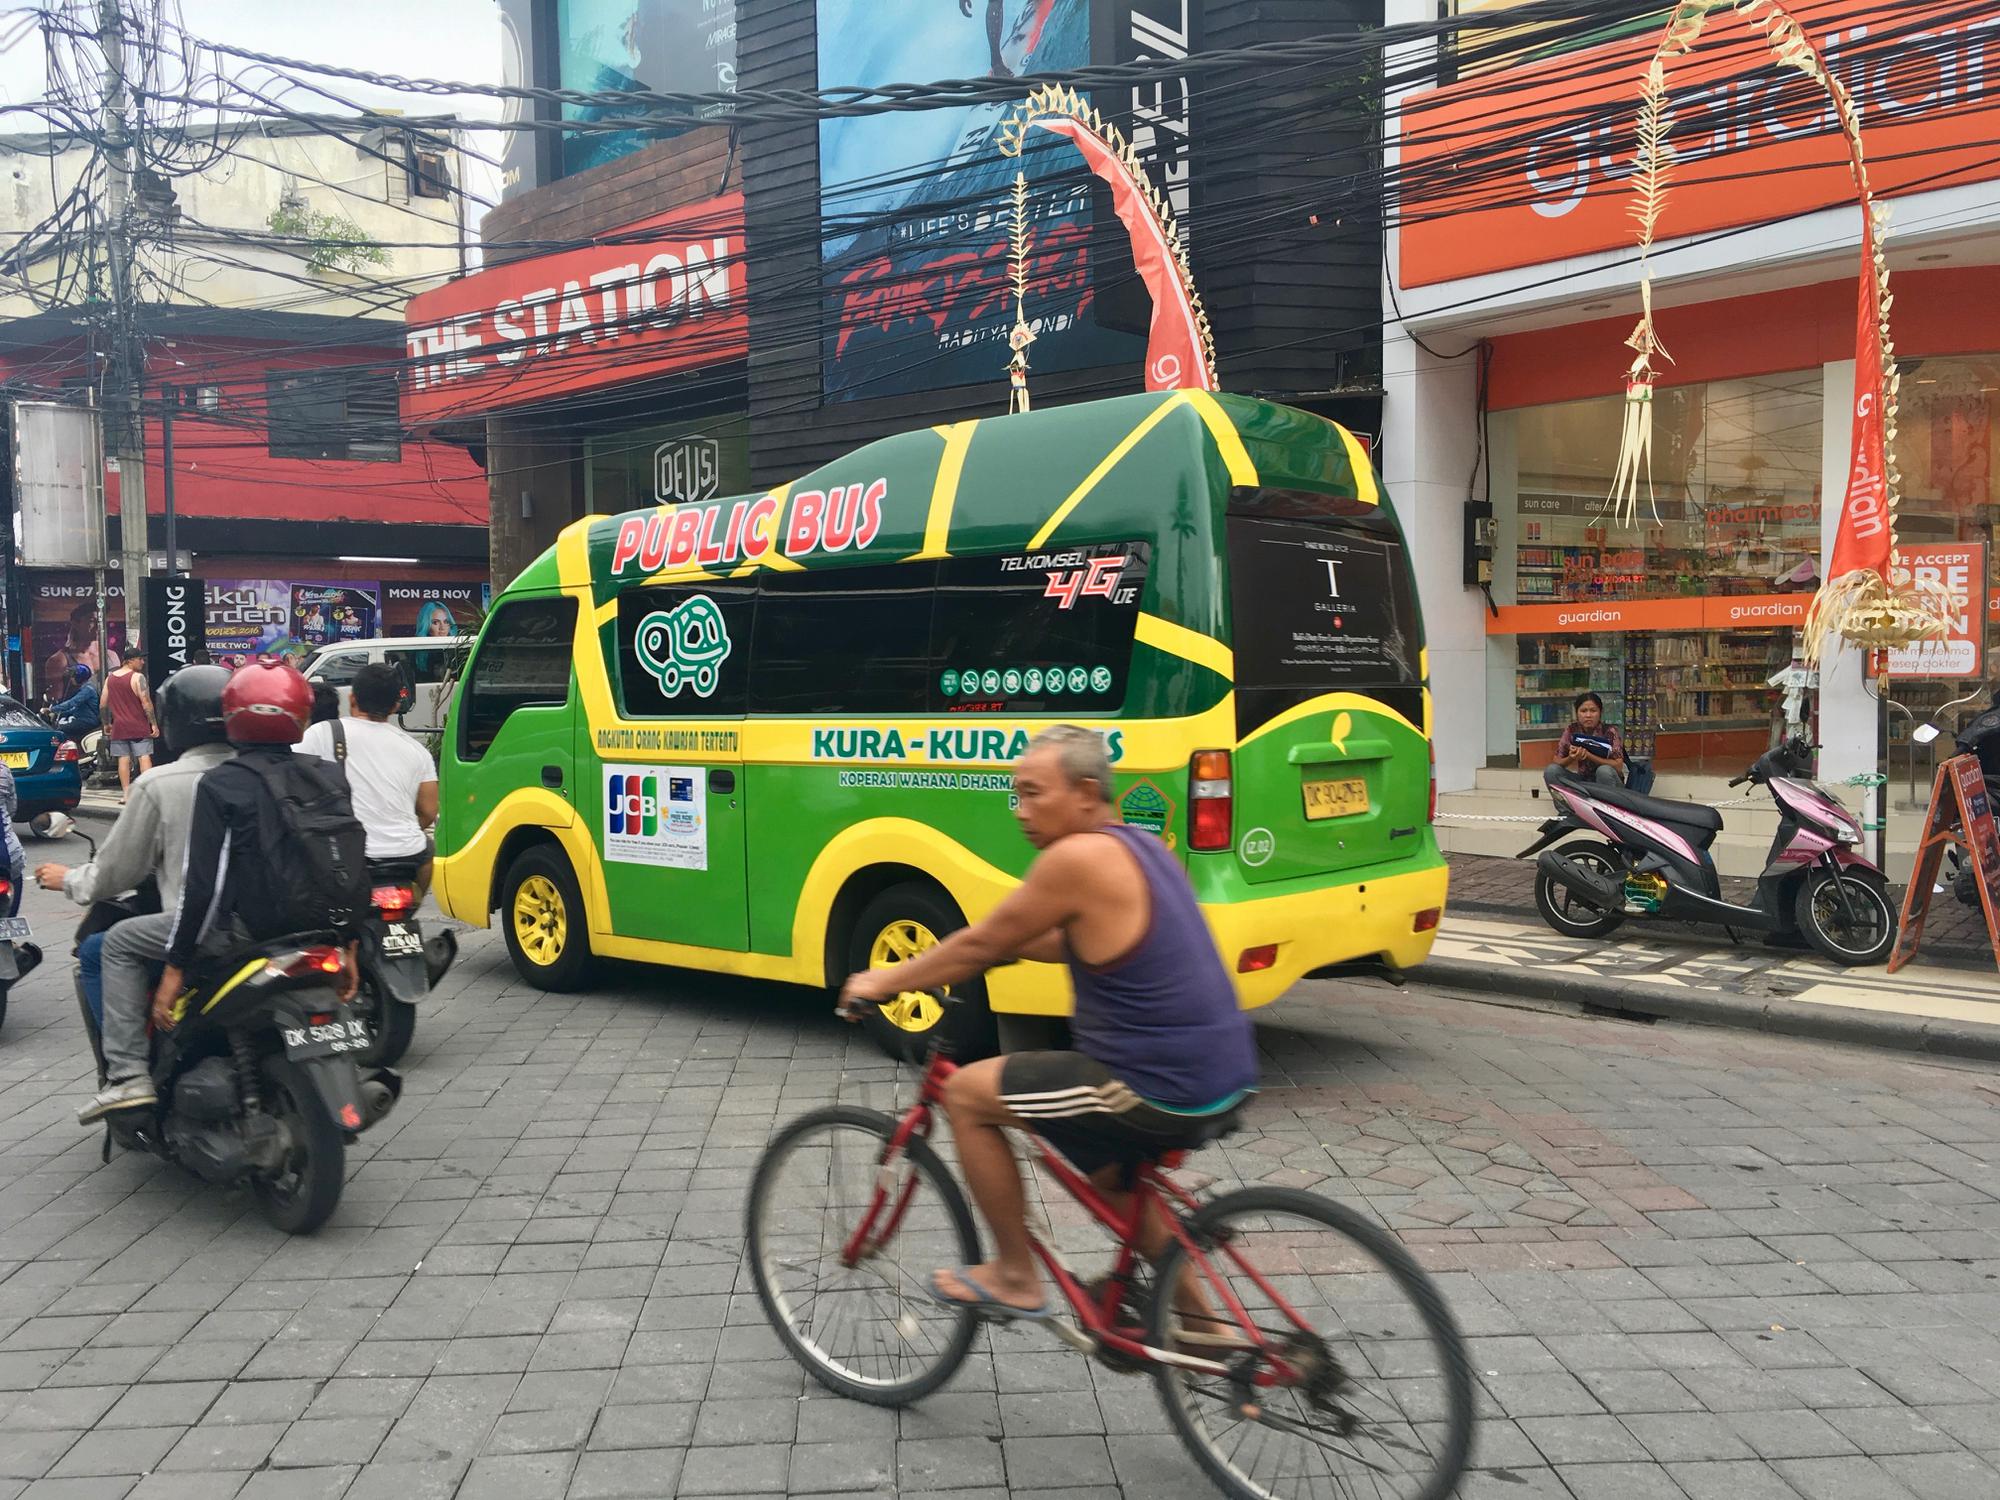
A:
(1318, 607)
(1049, 631)
(845, 640)
(524, 658)
(684, 652)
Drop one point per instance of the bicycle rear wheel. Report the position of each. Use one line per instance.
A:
(1375, 1394)
(856, 1309)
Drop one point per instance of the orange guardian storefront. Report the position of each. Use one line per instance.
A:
(1513, 271)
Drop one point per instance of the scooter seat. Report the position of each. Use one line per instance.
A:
(1685, 814)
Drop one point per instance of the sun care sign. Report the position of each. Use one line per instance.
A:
(656, 815)
(726, 532)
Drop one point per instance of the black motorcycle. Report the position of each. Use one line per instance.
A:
(399, 965)
(18, 956)
(256, 1080)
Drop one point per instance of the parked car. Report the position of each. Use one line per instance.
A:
(421, 658)
(47, 774)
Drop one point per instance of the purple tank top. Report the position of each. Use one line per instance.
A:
(1164, 1018)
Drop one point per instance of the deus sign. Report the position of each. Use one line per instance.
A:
(685, 469)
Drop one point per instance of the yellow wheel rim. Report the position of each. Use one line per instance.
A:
(541, 922)
(912, 1010)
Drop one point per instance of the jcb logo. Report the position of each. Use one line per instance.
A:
(634, 806)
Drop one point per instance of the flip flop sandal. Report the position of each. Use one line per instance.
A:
(985, 1304)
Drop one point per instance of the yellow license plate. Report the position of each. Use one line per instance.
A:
(1345, 798)
(14, 760)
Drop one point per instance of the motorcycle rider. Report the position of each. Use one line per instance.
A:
(264, 709)
(77, 714)
(149, 841)
(391, 774)
(264, 712)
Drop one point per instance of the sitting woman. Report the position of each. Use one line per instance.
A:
(1590, 748)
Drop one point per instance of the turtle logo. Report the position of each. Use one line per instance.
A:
(684, 646)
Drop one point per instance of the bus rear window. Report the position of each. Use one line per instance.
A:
(1320, 607)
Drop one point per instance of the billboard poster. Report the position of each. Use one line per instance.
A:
(325, 614)
(62, 628)
(1960, 569)
(915, 209)
(432, 608)
(667, 46)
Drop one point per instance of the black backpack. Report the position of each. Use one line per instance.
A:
(310, 868)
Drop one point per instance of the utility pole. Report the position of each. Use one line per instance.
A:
(127, 352)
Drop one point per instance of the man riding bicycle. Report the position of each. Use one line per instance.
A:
(1162, 1043)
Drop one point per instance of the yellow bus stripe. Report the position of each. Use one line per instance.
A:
(1328, 703)
(1111, 461)
(1242, 472)
(1364, 472)
(944, 495)
(1190, 645)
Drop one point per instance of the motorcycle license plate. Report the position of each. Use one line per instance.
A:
(15, 760)
(14, 929)
(1345, 798)
(329, 1040)
(402, 939)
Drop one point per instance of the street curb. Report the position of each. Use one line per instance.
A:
(1945, 955)
(1966, 1039)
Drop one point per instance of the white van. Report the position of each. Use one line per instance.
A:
(422, 660)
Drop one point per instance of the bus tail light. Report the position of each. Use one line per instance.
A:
(1427, 919)
(1210, 800)
(1432, 815)
(1256, 960)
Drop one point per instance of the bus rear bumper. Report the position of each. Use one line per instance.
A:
(1311, 924)
(1375, 920)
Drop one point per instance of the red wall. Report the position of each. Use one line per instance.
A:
(224, 468)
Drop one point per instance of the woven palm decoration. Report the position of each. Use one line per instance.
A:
(1856, 599)
(1180, 347)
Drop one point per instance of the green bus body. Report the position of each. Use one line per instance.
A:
(732, 724)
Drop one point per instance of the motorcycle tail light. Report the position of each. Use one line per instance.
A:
(6, 887)
(392, 900)
(66, 754)
(307, 962)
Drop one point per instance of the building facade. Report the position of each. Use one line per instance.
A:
(872, 268)
(1513, 283)
(268, 293)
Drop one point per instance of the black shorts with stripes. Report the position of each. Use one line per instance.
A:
(1075, 1104)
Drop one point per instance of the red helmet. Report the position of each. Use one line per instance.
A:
(266, 703)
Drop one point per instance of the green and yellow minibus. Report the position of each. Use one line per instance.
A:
(771, 735)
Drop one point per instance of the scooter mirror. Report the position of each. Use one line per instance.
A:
(1923, 734)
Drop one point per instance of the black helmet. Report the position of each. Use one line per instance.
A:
(191, 707)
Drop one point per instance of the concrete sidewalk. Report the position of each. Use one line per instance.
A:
(1494, 941)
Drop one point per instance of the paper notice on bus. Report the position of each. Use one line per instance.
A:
(656, 815)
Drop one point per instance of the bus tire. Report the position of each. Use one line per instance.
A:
(900, 922)
(542, 913)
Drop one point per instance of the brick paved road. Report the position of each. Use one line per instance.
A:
(1695, 1264)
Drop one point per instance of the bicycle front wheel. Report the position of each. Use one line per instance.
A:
(843, 1238)
(1370, 1390)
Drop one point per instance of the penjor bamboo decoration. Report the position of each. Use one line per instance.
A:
(1857, 600)
(1017, 271)
(1180, 346)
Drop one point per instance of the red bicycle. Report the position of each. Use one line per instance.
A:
(1298, 1348)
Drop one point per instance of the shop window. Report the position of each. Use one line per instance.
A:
(845, 640)
(342, 414)
(1047, 633)
(684, 651)
(1726, 545)
(1947, 434)
(523, 661)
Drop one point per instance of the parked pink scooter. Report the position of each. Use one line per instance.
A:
(1652, 862)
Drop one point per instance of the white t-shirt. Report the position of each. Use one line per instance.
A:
(385, 767)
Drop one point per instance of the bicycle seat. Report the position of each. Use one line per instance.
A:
(1687, 814)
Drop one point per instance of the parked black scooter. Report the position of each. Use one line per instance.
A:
(399, 965)
(18, 956)
(257, 1081)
